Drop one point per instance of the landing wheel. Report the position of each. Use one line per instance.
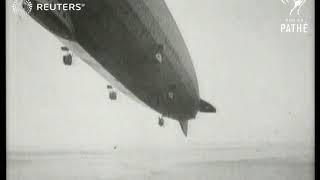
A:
(113, 95)
(67, 59)
(161, 122)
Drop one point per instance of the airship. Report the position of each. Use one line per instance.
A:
(135, 45)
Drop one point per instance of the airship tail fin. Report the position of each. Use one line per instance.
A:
(184, 126)
(206, 107)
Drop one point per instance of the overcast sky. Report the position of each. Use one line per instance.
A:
(259, 79)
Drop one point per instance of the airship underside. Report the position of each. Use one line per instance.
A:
(137, 46)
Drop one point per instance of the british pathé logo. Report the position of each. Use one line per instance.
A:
(294, 22)
(295, 5)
